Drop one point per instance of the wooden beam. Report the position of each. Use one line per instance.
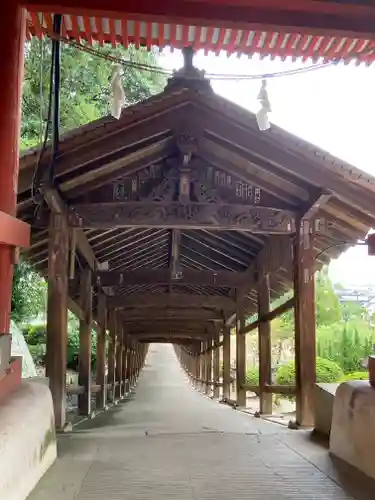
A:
(191, 215)
(180, 314)
(240, 352)
(165, 301)
(161, 277)
(84, 377)
(57, 205)
(101, 397)
(264, 343)
(57, 314)
(286, 306)
(304, 321)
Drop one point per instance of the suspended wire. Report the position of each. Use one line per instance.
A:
(211, 76)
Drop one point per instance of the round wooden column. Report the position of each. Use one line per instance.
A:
(12, 37)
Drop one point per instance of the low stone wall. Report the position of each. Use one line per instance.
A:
(353, 425)
(27, 439)
(324, 398)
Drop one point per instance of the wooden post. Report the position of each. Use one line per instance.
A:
(57, 314)
(101, 396)
(202, 375)
(12, 32)
(216, 366)
(240, 352)
(264, 344)
(84, 376)
(112, 356)
(124, 362)
(119, 350)
(226, 362)
(208, 372)
(128, 364)
(304, 318)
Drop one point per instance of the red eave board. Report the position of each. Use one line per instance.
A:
(303, 29)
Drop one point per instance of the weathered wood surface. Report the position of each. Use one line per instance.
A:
(57, 313)
(190, 215)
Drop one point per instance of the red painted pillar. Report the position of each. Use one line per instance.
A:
(12, 36)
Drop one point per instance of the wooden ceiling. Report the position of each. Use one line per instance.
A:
(171, 265)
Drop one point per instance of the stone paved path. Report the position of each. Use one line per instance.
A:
(168, 441)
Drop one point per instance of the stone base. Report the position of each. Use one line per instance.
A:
(27, 439)
(324, 397)
(353, 425)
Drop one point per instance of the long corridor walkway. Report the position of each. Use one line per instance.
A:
(168, 441)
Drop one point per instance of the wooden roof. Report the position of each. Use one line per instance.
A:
(307, 29)
(119, 179)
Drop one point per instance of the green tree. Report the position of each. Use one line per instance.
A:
(85, 89)
(327, 303)
(28, 294)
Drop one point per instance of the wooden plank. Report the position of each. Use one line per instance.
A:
(174, 300)
(190, 215)
(57, 313)
(240, 353)
(264, 343)
(101, 397)
(84, 376)
(161, 277)
(304, 320)
(286, 306)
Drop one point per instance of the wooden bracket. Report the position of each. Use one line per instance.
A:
(14, 232)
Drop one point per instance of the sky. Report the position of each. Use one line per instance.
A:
(333, 108)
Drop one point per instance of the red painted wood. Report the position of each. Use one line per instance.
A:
(13, 232)
(309, 16)
(12, 36)
(11, 380)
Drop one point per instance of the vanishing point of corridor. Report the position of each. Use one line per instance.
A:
(169, 441)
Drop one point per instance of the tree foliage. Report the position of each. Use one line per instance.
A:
(326, 372)
(85, 96)
(85, 89)
(28, 293)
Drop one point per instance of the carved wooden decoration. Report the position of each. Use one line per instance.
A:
(183, 215)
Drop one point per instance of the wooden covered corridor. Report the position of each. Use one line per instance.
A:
(168, 441)
(176, 223)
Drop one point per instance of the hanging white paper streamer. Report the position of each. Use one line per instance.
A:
(262, 115)
(118, 94)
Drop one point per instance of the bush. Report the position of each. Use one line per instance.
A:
(252, 376)
(356, 376)
(38, 353)
(326, 372)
